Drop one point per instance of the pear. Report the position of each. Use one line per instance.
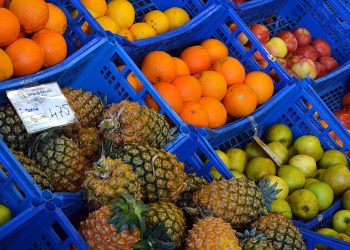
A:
(338, 177)
(309, 145)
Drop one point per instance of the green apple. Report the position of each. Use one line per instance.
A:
(292, 151)
(254, 150)
(215, 173)
(259, 167)
(332, 157)
(346, 200)
(281, 206)
(279, 150)
(238, 174)
(343, 237)
(309, 145)
(304, 204)
(320, 174)
(338, 177)
(277, 47)
(281, 184)
(340, 220)
(238, 159)
(324, 194)
(223, 157)
(279, 133)
(293, 176)
(305, 163)
(308, 181)
(327, 231)
(5, 214)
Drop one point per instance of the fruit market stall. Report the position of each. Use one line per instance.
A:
(134, 124)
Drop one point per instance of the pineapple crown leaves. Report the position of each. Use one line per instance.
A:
(155, 238)
(268, 192)
(250, 234)
(127, 212)
(112, 123)
(102, 166)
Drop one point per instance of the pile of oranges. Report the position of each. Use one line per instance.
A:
(31, 37)
(205, 86)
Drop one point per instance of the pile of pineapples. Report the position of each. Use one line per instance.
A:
(138, 195)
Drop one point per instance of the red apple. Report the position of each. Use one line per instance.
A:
(293, 59)
(307, 51)
(303, 36)
(257, 55)
(263, 64)
(346, 99)
(344, 117)
(292, 73)
(330, 63)
(322, 47)
(261, 32)
(321, 69)
(241, 36)
(289, 39)
(283, 62)
(305, 68)
(274, 75)
(239, 1)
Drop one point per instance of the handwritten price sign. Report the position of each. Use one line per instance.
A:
(42, 107)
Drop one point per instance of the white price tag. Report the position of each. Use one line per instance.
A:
(42, 107)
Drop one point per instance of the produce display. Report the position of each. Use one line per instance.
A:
(297, 51)
(309, 178)
(118, 17)
(31, 37)
(204, 85)
(128, 174)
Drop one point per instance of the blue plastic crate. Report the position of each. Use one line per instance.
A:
(43, 227)
(194, 8)
(77, 43)
(290, 108)
(326, 19)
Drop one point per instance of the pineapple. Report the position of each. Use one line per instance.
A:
(212, 234)
(193, 183)
(12, 130)
(251, 241)
(90, 142)
(61, 159)
(109, 178)
(281, 231)
(38, 175)
(130, 122)
(87, 107)
(237, 201)
(171, 216)
(160, 173)
(118, 226)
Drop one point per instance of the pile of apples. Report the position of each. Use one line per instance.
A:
(296, 51)
(310, 178)
(343, 114)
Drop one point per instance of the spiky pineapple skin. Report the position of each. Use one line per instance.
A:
(171, 216)
(99, 234)
(38, 175)
(193, 183)
(160, 173)
(281, 231)
(12, 130)
(237, 201)
(212, 234)
(135, 123)
(62, 161)
(87, 106)
(101, 190)
(90, 142)
(256, 244)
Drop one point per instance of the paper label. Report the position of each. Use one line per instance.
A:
(42, 107)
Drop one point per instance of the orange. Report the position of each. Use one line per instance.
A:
(216, 111)
(181, 67)
(215, 48)
(54, 45)
(98, 6)
(189, 87)
(194, 114)
(213, 84)
(132, 79)
(9, 28)
(26, 55)
(32, 14)
(57, 19)
(126, 33)
(159, 66)
(22, 35)
(231, 69)
(262, 85)
(6, 67)
(240, 100)
(170, 94)
(197, 59)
